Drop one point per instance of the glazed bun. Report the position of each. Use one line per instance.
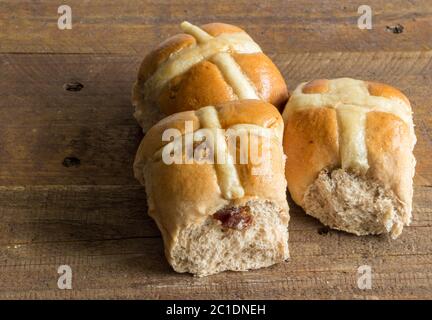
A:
(220, 215)
(203, 66)
(349, 146)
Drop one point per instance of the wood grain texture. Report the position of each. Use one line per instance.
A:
(130, 27)
(115, 251)
(43, 123)
(92, 216)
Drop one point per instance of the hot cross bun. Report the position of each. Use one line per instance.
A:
(203, 66)
(229, 214)
(349, 146)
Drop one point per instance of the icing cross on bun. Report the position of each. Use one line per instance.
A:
(349, 146)
(218, 216)
(204, 66)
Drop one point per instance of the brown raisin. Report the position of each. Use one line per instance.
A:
(237, 218)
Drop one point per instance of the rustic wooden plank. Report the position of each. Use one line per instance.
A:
(128, 262)
(133, 26)
(42, 124)
(136, 267)
(138, 264)
(46, 214)
(39, 214)
(37, 155)
(136, 283)
(92, 217)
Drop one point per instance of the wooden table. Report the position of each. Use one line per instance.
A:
(67, 192)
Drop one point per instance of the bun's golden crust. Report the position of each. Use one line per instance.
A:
(202, 85)
(390, 156)
(316, 86)
(230, 113)
(384, 90)
(217, 28)
(153, 139)
(314, 128)
(162, 52)
(310, 144)
(254, 112)
(175, 44)
(265, 76)
(206, 83)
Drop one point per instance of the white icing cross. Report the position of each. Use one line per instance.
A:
(222, 148)
(352, 101)
(217, 50)
(228, 178)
